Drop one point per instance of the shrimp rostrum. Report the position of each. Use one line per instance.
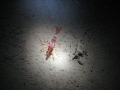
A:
(50, 49)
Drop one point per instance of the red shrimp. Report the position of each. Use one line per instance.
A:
(51, 45)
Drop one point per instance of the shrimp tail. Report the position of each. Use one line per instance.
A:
(58, 29)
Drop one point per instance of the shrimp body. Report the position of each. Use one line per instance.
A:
(52, 43)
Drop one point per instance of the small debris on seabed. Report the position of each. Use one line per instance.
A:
(79, 54)
(80, 62)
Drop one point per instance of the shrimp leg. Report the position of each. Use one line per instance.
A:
(43, 42)
(53, 56)
(44, 49)
(57, 52)
(58, 45)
